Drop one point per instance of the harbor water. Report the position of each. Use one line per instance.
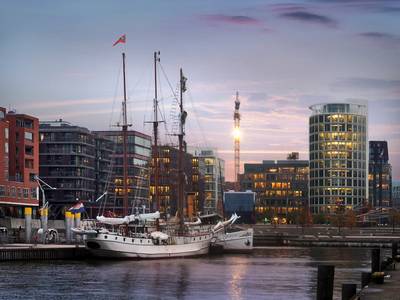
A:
(267, 273)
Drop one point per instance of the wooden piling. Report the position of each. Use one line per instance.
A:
(365, 278)
(395, 246)
(326, 274)
(349, 290)
(375, 260)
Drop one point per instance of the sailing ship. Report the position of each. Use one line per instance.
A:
(140, 235)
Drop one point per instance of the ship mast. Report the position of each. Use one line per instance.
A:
(155, 132)
(125, 126)
(181, 134)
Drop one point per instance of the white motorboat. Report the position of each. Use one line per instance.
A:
(229, 237)
(236, 240)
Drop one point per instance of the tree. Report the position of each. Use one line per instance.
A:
(350, 218)
(394, 217)
(304, 217)
(319, 219)
(338, 218)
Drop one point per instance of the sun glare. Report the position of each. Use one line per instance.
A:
(236, 133)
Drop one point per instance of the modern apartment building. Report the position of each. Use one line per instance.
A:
(380, 175)
(396, 194)
(138, 173)
(198, 171)
(213, 169)
(83, 164)
(281, 186)
(19, 163)
(67, 163)
(338, 156)
(168, 178)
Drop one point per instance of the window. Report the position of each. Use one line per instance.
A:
(32, 176)
(33, 193)
(2, 191)
(29, 136)
(12, 192)
(142, 151)
(6, 133)
(142, 142)
(26, 193)
(28, 150)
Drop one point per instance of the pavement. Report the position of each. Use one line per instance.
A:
(390, 290)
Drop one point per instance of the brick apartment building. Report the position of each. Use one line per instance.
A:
(19, 150)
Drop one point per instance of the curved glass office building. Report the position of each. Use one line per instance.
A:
(338, 156)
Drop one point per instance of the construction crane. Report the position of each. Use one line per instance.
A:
(236, 136)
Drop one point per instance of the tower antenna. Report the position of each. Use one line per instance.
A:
(236, 118)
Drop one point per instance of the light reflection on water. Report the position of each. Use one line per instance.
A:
(268, 273)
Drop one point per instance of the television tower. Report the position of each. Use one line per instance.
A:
(236, 136)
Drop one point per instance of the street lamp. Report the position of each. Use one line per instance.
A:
(44, 210)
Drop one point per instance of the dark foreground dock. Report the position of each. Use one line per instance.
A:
(41, 252)
(389, 290)
(383, 282)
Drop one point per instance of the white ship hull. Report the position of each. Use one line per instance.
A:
(239, 241)
(117, 246)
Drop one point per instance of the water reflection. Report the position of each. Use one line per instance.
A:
(270, 273)
(238, 271)
(183, 280)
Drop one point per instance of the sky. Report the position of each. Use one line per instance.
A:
(57, 61)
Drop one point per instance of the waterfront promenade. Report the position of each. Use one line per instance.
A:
(324, 235)
(389, 290)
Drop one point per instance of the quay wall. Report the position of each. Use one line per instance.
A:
(48, 252)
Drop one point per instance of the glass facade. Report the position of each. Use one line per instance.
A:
(67, 162)
(138, 181)
(168, 157)
(281, 187)
(338, 156)
(380, 175)
(396, 194)
(213, 169)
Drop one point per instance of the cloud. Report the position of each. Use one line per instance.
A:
(374, 6)
(367, 83)
(64, 103)
(257, 96)
(286, 7)
(307, 17)
(380, 36)
(376, 35)
(231, 19)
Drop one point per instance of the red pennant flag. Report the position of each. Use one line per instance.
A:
(122, 39)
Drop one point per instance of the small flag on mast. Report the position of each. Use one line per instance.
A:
(122, 39)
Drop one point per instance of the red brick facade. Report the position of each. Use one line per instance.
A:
(19, 149)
